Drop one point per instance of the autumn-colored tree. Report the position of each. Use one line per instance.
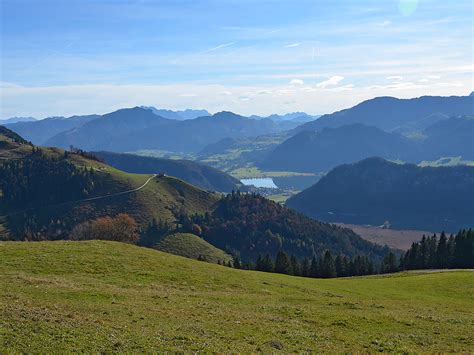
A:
(121, 228)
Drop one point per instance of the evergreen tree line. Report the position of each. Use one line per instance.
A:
(441, 253)
(44, 179)
(326, 266)
(430, 253)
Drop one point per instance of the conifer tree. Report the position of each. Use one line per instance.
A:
(314, 268)
(295, 266)
(305, 267)
(328, 266)
(283, 263)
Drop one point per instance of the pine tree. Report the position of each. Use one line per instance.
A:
(295, 266)
(389, 263)
(268, 264)
(442, 252)
(314, 268)
(305, 267)
(328, 266)
(283, 264)
(237, 263)
(340, 267)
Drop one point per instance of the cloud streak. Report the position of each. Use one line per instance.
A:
(218, 47)
(293, 45)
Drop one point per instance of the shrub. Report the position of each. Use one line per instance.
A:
(121, 228)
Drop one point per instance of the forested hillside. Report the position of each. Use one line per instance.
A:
(47, 192)
(403, 196)
(248, 225)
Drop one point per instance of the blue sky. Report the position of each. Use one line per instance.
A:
(77, 57)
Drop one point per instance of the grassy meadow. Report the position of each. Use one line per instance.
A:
(106, 296)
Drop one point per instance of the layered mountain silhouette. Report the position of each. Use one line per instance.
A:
(426, 128)
(39, 131)
(137, 128)
(16, 120)
(311, 151)
(392, 114)
(187, 114)
(404, 196)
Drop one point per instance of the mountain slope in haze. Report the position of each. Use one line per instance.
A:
(138, 129)
(40, 131)
(311, 151)
(392, 114)
(374, 191)
(193, 173)
(187, 114)
(450, 138)
(16, 120)
(113, 128)
(296, 117)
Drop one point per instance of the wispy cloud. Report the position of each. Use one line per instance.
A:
(394, 78)
(332, 81)
(218, 47)
(296, 82)
(293, 45)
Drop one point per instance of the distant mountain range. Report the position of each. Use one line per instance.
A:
(375, 128)
(141, 128)
(299, 117)
(374, 191)
(187, 114)
(199, 175)
(400, 115)
(311, 151)
(39, 131)
(16, 120)
(137, 128)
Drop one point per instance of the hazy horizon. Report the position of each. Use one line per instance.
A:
(83, 57)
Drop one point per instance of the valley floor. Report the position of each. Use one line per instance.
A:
(106, 296)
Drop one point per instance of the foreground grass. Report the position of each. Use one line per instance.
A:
(106, 296)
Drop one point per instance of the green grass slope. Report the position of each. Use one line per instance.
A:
(191, 246)
(101, 296)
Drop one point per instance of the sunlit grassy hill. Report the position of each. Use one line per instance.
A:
(106, 296)
(143, 196)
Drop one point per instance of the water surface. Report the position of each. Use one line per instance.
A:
(260, 182)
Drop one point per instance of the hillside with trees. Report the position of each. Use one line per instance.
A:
(193, 173)
(249, 225)
(403, 196)
(46, 192)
